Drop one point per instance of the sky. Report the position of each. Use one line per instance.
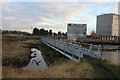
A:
(26, 15)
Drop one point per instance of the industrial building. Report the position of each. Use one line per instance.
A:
(75, 31)
(108, 25)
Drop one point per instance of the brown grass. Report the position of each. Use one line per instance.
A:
(66, 70)
(16, 51)
(14, 57)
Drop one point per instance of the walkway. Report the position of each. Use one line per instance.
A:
(72, 51)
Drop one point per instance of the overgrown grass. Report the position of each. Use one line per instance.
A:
(59, 66)
(51, 56)
(15, 51)
(114, 68)
(69, 69)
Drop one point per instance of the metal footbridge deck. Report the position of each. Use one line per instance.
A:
(72, 51)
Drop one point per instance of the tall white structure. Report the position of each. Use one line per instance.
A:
(108, 25)
(75, 31)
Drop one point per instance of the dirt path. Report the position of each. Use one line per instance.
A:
(108, 74)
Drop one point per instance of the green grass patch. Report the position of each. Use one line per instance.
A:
(95, 73)
(114, 68)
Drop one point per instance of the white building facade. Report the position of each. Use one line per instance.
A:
(108, 25)
(75, 31)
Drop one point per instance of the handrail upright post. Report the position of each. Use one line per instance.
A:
(79, 52)
(64, 47)
(72, 51)
(79, 56)
(90, 46)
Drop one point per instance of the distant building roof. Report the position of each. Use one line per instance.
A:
(109, 14)
(71, 24)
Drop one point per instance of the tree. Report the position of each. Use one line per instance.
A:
(54, 34)
(63, 34)
(66, 34)
(93, 34)
(42, 31)
(59, 33)
(35, 31)
(50, 32)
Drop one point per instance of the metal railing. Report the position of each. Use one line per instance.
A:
(70, 50)
(73, 49)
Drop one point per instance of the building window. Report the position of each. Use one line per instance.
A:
(84, 33)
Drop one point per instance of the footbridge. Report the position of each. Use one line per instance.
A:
(72, 51)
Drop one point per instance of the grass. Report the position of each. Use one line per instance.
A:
(51, 56)
(14, 52)
(59, 66)
(74, 70)
(114, 68)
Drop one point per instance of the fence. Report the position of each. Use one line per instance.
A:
(76, 51)
(105, 38)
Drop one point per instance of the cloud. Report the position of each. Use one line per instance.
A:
(61, 10)
(60, 1)
(115, 7)
(34, 14)
(5, 7)
(8, 18)
(50, 15)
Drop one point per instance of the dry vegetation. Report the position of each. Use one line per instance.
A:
(16, 54)
(65, 70)
(15, 51)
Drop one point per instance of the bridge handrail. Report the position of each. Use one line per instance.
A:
(74, 49)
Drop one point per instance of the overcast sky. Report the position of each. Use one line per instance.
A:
(24, 15)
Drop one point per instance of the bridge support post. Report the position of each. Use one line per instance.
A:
(90, 47)
(79, 55)
(99, 48)
(73, 56)
(79, 58)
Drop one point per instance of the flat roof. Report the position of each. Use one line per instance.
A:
(109, 14)
(75, 24)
